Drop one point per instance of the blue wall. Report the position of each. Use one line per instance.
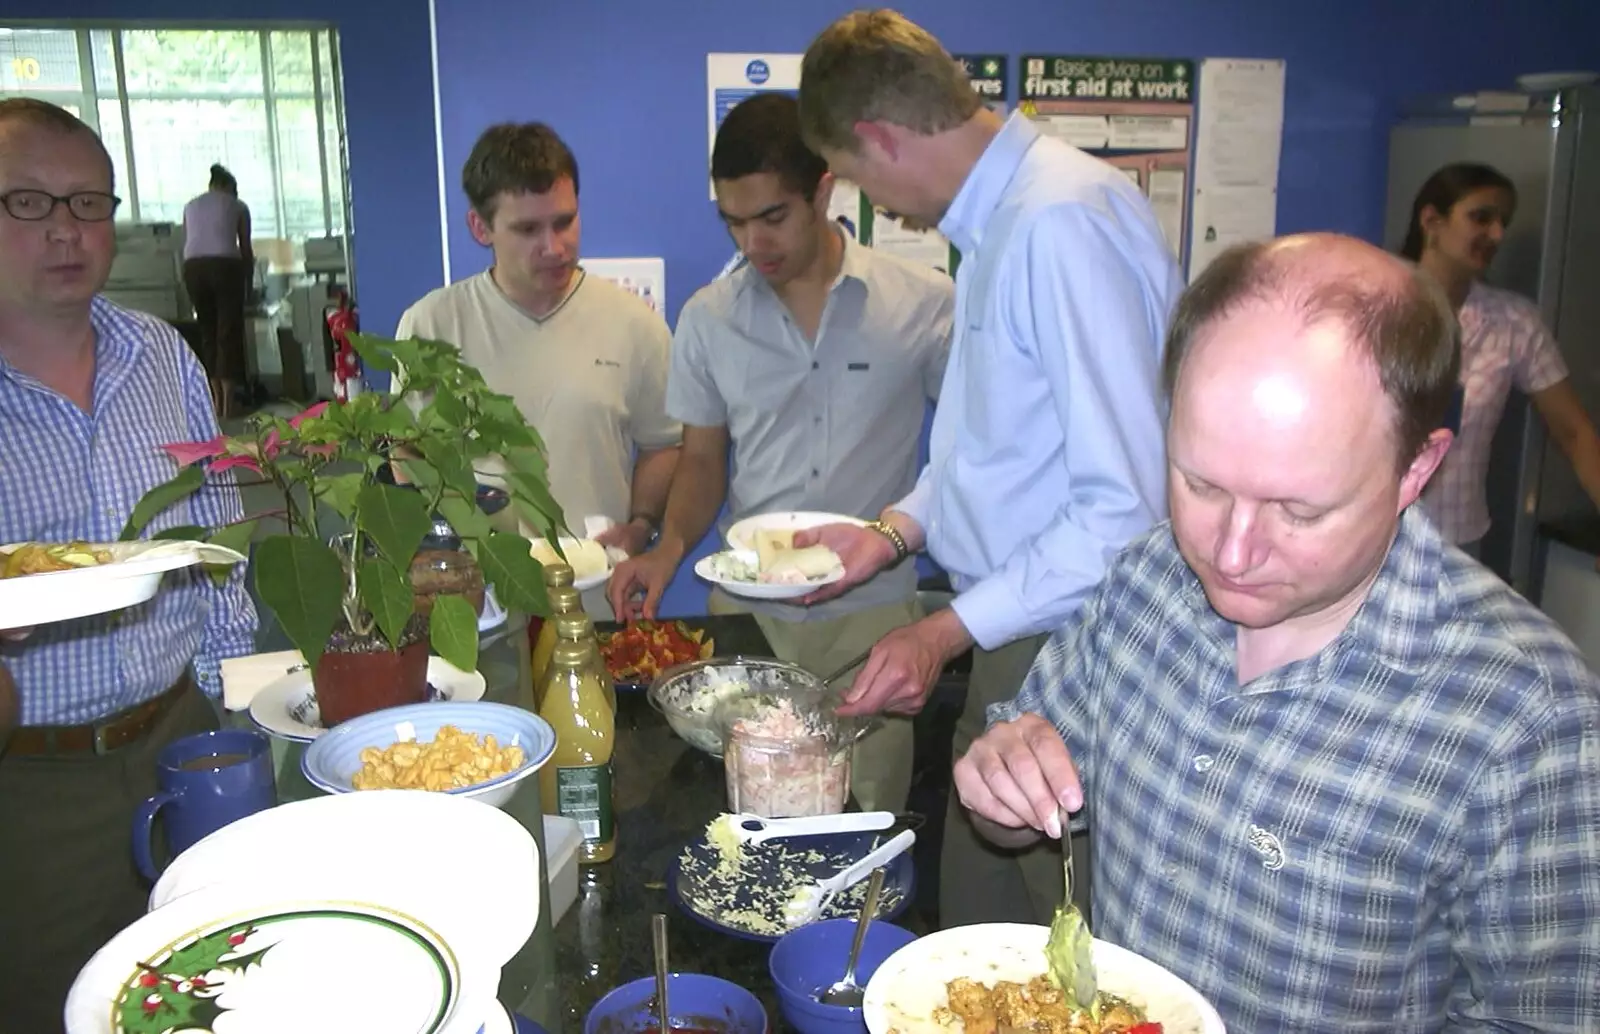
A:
(624, 82)
(386, 50)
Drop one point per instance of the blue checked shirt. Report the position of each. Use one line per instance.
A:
(1400, 834)
(69, 475)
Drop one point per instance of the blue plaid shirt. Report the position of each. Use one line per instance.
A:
(1400, 834)
(66, 474)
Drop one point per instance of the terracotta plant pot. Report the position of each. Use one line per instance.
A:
(361, 674)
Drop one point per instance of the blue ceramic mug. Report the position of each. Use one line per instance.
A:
(206, 781)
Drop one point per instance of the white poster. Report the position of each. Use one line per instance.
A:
(1239, 138)
(645, 277)
(924, 247)
(730, 78)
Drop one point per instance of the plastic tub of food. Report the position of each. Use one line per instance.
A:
(785, 756)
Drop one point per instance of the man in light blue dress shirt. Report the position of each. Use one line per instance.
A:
(89, 392)
(1047, 449)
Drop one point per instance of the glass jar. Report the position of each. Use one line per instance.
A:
(784, 758)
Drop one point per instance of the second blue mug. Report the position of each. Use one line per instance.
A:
(205, 782)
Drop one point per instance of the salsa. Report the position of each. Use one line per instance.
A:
(644, 649)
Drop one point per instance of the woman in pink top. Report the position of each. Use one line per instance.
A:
(1457, 222)
(218, 272)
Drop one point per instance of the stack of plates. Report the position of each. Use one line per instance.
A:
(351, 912)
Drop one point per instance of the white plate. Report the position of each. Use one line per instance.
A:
(287, 707)
(1545, 82)
(405, 849)
(761, 590)
(910, 984)
(742, 534)
(499, 1021)
(614, 556)
(271, 962)
(493, 615)
(130, 579)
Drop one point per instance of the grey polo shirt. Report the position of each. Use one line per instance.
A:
(831, 424)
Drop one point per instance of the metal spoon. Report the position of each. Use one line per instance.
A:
(855, 662)
(846, 993)
(658, 939)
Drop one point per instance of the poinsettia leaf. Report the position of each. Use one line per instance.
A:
(453, 631)
(396, 518)
(302, 582)
(387, 595)
(465, 518)
(375, 352)
(339, 492)
(181, 533)
(509, 566)
(449, 460)
(161, 497)
(235, 537)
(451, 408)
(535, 492)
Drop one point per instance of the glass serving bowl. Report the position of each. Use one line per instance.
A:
(689, 695)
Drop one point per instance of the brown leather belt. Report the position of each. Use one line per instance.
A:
(101, 737)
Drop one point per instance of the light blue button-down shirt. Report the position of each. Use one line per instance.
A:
(1047, 453)
(829, 424)
(69, 475)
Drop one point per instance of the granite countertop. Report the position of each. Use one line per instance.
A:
(667, 792)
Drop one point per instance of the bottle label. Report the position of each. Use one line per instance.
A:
(584, 794)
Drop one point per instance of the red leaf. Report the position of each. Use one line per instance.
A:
(269, 448)
(188, 453)
(229, 462)
(308, 414)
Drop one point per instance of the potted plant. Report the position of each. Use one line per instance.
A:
(349, 603)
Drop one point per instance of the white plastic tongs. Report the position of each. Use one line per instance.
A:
(808, 903)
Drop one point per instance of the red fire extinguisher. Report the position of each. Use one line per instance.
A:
(343, 319)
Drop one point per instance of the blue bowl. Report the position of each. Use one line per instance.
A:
(807, 961)
(333, 759)
(696, 1000)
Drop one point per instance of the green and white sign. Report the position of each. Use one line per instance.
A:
(988, 75)
(1073, 77)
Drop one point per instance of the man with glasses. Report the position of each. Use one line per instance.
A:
(89, 392)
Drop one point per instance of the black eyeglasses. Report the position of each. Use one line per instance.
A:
(88, 206)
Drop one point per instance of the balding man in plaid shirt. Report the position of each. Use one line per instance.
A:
(1338, 776)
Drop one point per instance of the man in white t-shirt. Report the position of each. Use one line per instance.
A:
(585, 360)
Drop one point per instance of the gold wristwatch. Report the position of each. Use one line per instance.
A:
(890, 532)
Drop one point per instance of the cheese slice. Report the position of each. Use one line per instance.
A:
(586, 556)
(771, 543)
(800, 565)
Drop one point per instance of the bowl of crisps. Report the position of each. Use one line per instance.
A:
(473, 749)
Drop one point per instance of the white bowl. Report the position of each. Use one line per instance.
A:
(414, 851)
(331, 762)
(910, 984)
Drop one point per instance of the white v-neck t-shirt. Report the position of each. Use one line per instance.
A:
(591, 377)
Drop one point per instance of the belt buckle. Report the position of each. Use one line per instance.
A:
(101, 749)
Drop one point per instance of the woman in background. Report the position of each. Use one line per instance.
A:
(218, 272)
(1458, 220)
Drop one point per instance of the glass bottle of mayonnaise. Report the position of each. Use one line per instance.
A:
(576, 627)
(576, 781)
(564, 599)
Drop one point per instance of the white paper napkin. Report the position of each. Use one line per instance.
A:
(244, 677)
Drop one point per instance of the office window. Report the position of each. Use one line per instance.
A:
(179, 100)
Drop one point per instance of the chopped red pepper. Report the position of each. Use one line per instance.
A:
(1145, 1028)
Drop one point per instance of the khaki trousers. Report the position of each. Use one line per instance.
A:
(880, 772)
(67, 880)
(981, 883)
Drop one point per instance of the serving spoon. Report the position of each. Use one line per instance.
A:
(845, 992)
